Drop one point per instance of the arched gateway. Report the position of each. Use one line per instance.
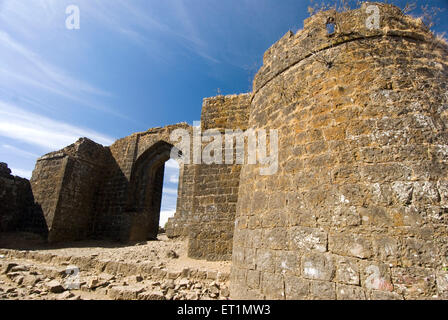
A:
(358, 206)
(145, 191)
(88, 191)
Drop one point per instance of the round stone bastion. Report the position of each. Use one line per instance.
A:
(358, 208)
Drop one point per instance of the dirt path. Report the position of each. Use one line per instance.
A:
(156, 270)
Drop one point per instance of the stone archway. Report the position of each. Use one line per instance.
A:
(145, 192)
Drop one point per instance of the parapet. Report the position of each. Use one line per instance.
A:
(348, 26)
(83, 149)
(226, 112)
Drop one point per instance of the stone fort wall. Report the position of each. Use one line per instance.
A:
(212, 215)
(88, 191)
(358, 208)
(18, 212)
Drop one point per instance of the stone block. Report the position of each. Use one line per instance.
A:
(347, 271)
(272, 285)
(322, 290)
(296, 288)
(351, 245)
(344, 292)
(303, 238)
(318, 266)
(376, 276)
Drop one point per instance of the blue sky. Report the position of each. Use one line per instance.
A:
(132, 65)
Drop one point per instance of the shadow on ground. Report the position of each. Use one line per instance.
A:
(31, 242)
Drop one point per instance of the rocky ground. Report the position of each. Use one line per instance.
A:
(155, 270)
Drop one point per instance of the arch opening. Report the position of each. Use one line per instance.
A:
(170, 193)
(144, 204)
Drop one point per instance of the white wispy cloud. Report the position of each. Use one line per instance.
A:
(141, 24)
(47, 72)
(27, 67)
(174, 178)
(170, 188)
(172, 164)
(19, 152)
(21, 173)
(171, 191)
(25, 126)
(23, 68)
(164, 216)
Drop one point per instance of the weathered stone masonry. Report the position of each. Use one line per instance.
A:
(212, 215)
(359, 206)
(18, 211)
(90, 191)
